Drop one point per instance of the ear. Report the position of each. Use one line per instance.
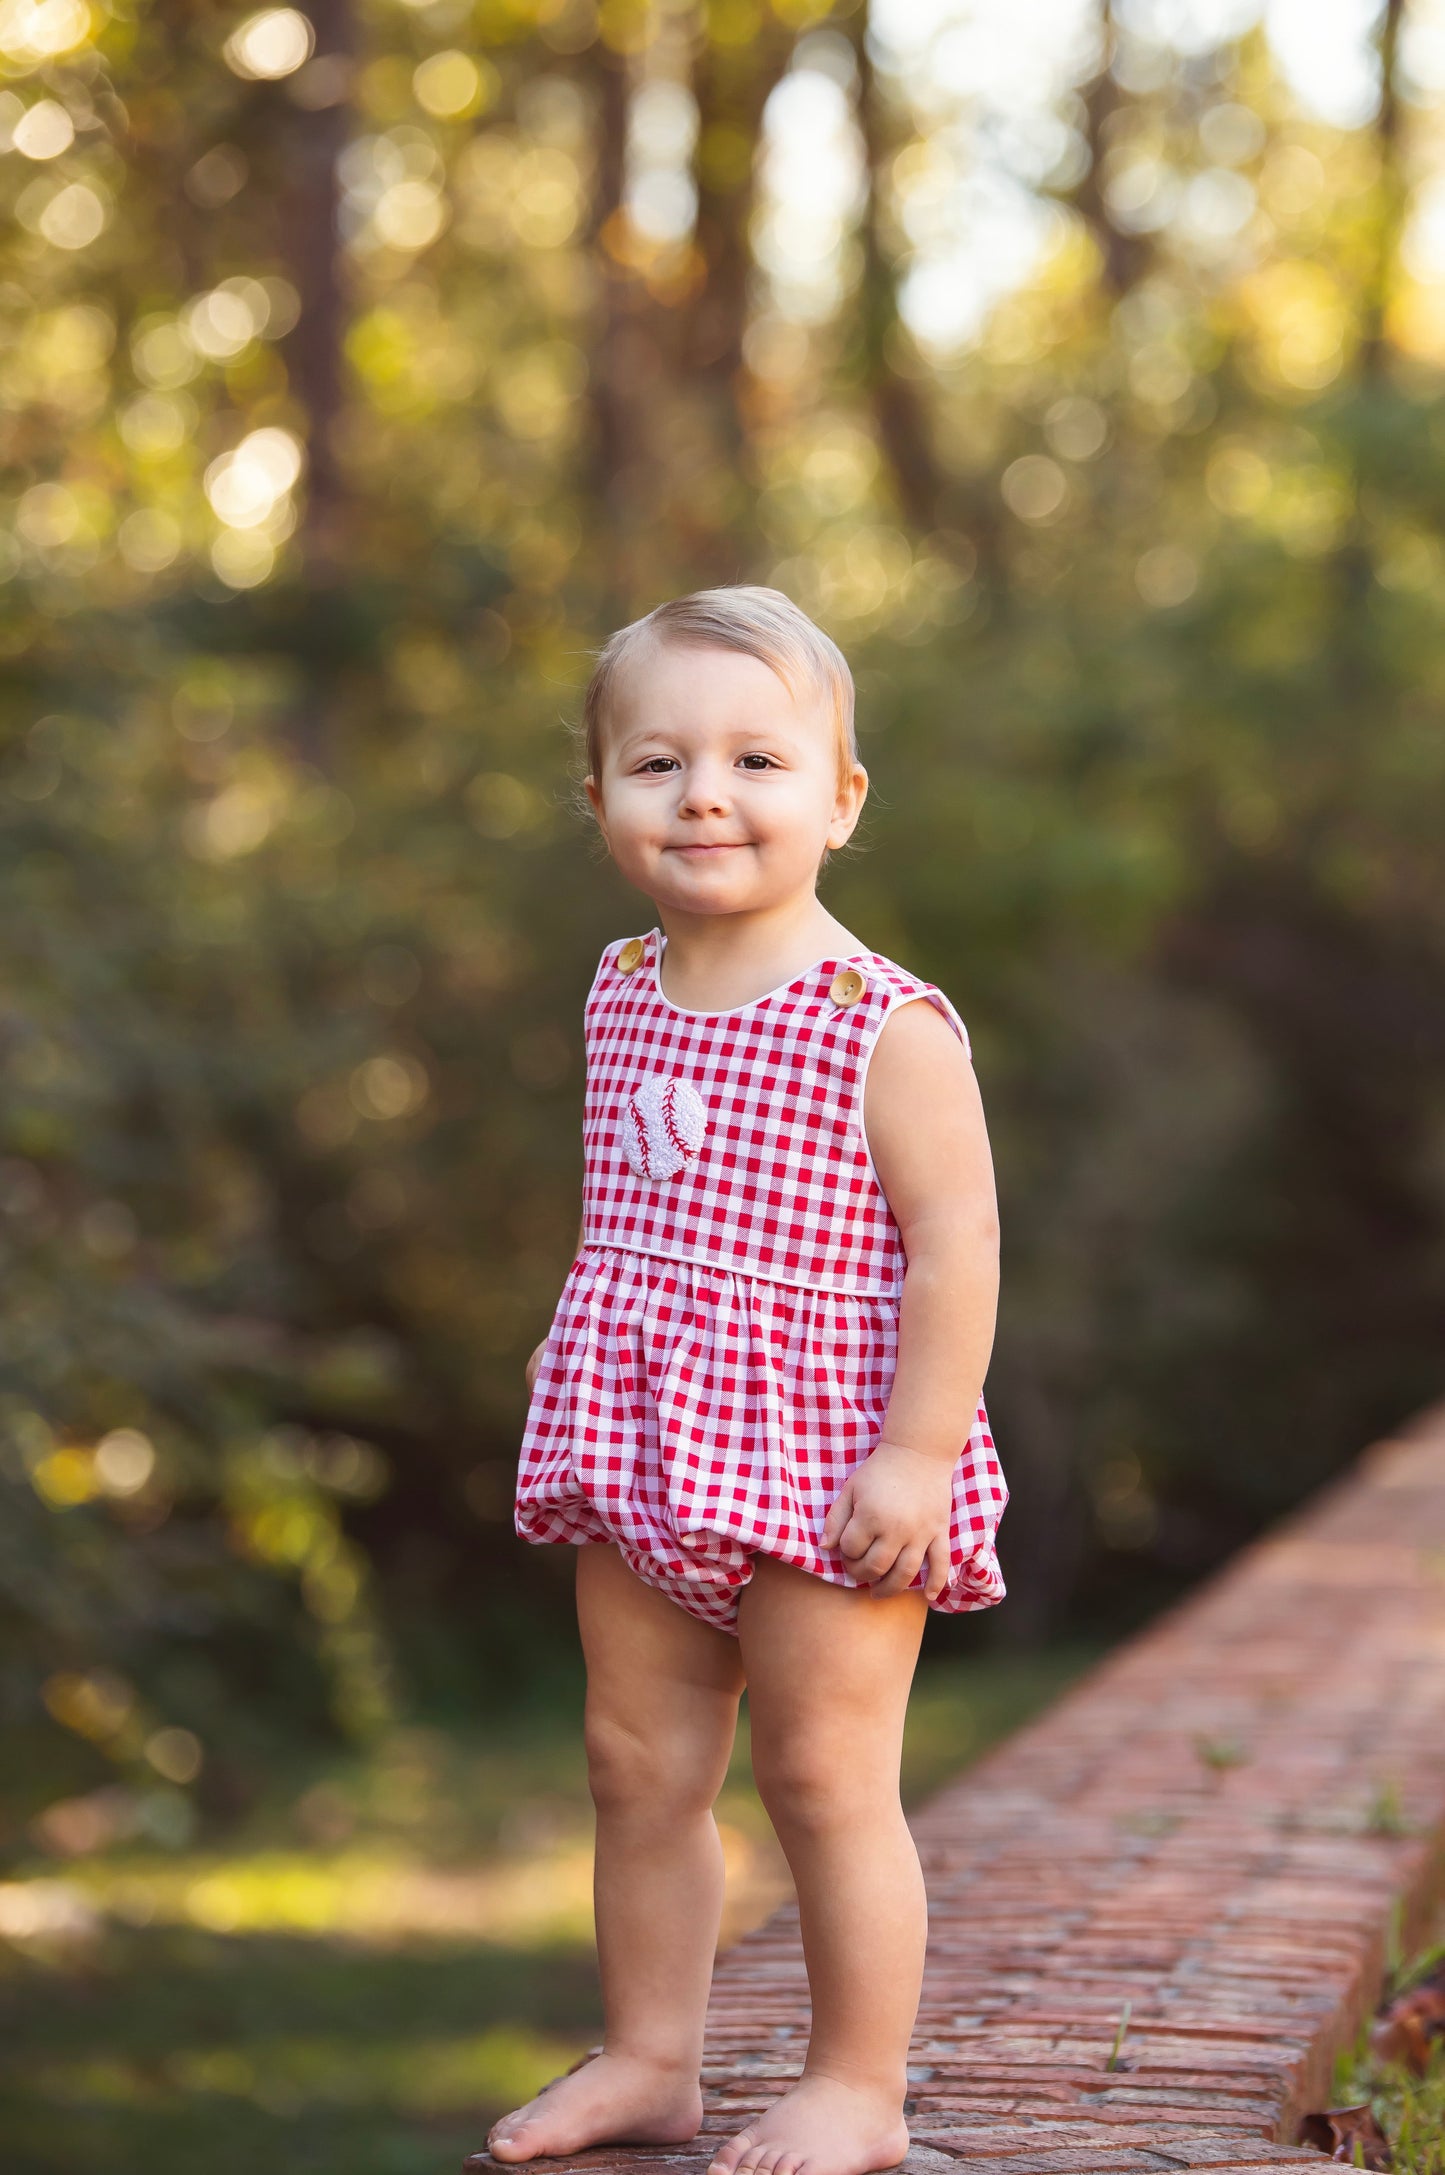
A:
(594, 794)
(848, 806)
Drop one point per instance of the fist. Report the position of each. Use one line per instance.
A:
(533, 1364)
(892, 1521)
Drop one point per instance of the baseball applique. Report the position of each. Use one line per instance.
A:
(663, 1126)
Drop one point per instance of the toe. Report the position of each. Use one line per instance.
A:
(726, 2159)
(508, 2141)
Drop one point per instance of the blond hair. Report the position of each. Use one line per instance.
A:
(762, 623)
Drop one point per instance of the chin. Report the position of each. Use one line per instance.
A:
(706, 899)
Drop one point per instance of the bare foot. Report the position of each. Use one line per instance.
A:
(613, 2099)
(821, 2127)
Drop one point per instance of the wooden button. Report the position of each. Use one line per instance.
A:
(847, 986)
(630, 955)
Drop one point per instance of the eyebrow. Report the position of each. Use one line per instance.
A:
(638, 736)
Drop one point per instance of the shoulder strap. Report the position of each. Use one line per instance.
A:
(612, 973)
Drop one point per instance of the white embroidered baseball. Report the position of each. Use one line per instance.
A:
(663, 1126)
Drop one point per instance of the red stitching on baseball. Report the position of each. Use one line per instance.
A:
(669, 1103)
(636, 1111)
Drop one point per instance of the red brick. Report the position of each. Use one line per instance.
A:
(1095, 1859)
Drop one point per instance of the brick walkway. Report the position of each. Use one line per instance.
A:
(1217, 1827)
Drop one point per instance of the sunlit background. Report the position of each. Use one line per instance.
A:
(1080, 369)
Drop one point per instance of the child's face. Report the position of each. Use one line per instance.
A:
(717, 794)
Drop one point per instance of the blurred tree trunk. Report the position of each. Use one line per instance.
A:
(898, 408)
(933, 502)
(1122, 257)
(732, 85)
(162, 141)
(1354, 560)
(313, 353)
(623, 361)
(1392, 197)
(651, 360)
(314, 347)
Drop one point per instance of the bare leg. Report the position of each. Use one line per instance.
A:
(829, 1669)
(662, 1706)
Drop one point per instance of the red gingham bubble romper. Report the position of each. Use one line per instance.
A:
(722, 1353)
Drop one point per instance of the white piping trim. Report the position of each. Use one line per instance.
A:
(728, 1268)
(687, 1012)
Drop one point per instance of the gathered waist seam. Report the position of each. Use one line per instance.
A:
(729, 1268)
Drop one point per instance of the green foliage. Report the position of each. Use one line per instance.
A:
(370, 405)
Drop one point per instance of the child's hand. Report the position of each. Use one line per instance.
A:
(533, 1364)
(895, 1510)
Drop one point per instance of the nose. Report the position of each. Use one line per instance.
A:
(704, 792)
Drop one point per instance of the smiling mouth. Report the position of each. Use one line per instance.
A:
(726, 845)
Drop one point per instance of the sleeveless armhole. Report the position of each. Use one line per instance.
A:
(589, 1000)
(937, 998)
(608, 950)
(941, 1003)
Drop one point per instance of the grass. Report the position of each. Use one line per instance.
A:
(1410, 2109)
(385, 1956)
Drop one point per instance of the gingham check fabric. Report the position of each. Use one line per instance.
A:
(723, 1350)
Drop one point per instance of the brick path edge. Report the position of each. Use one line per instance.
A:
(1226, 1826)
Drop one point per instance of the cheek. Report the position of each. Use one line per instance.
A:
(633, 813)
(805, 805)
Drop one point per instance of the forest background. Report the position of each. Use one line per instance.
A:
(1080, 369)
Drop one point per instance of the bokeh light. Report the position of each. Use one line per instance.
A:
(271, 44)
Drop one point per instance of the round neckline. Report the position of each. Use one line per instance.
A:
(729, 1011)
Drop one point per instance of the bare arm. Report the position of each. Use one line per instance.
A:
(925, 1124)
(930, 1149)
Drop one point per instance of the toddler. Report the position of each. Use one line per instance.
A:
(757, 1412)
